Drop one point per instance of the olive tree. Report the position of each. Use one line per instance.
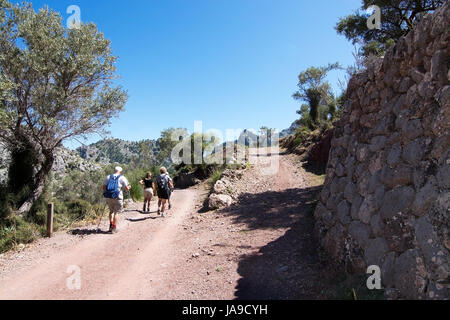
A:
(398, 17)
(55, 84)
(316, 91)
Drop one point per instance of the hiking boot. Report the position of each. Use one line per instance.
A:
(159, 212)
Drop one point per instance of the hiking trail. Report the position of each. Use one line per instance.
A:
(261, 247)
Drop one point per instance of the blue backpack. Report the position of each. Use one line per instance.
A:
(112, 190)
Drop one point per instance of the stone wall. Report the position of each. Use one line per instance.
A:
(386, 196)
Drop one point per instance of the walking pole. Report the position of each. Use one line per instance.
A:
(101, 217)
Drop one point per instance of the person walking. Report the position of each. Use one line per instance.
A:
(113, 187)
(164, 185)
(147, 182)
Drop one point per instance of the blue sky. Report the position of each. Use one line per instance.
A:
(229, 63)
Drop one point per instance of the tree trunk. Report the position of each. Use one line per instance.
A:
(39, 184)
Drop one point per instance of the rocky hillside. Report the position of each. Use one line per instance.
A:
(118, 151)
(65, 161)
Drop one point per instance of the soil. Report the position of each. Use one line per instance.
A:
(262, 247)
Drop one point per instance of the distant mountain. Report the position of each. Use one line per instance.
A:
(290, 130)
(119, 151)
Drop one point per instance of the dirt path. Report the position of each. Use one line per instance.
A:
(260, 248)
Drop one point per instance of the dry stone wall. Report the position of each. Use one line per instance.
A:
(386, 196)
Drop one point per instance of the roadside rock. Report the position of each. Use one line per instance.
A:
(219, 201)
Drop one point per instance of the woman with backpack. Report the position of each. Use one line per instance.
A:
(147, 182)
(164, 185)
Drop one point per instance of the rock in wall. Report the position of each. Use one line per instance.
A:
(386, 196)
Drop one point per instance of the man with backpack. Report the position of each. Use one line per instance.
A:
(164, 187)
(113, 187)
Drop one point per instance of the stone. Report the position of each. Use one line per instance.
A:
(368, 208)
(395, 201)
(437, 72)
(220, 187)
(405, 84)
(427, 240)
(399, 176)
(410, 275)
(424, 199)
(343, 212)
(362, 153)
(412, 129)
(377, 225)
(360, 232)
(377, 143)
(356, 204)
(340, 170)
(350, 191)
(334, 241)
(443, 176)
(394, 155)
(388, 270)
(375, 251)
(219, 201)
(414, 152)
(416, 75)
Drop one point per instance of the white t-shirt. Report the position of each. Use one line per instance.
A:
(123, 183)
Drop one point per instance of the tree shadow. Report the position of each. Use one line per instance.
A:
(272, 209)
(87, 232)
(288, 268)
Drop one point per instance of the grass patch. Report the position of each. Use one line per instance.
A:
(215, 176)
(344, 286)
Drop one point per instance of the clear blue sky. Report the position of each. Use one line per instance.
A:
(230, 63)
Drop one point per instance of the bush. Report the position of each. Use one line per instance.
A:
(300, 135)
(79, 209)
(15, 231)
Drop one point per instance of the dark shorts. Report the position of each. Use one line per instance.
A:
(164, 194)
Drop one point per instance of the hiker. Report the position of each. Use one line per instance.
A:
(171, 190)
(164, 186)
(113, 187)
(147, 182)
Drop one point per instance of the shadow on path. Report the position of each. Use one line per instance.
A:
(289, 267)
(87, 232)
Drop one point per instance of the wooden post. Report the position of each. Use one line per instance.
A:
(50, 220)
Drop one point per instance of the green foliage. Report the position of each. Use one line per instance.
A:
(397, 18)
(14, 231)
(79, 209)
(55, 84)
(321, 104)
(167, 142)
(301, 134)
(215, 176)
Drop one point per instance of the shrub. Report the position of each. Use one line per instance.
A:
(215, 176)
(79, 209)
(15, 231)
